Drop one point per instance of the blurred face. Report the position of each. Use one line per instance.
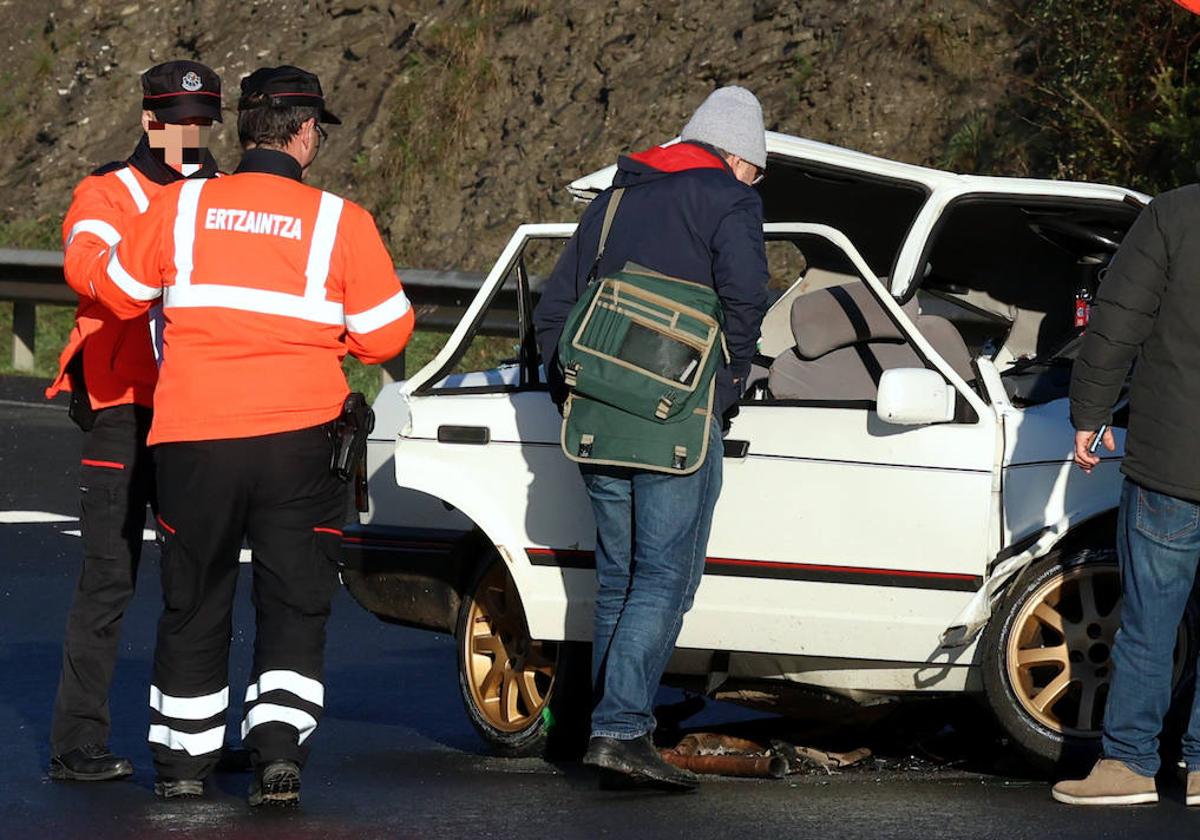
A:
(181, 143)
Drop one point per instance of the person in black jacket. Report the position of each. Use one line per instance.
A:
(688, 211)
(1147, 308)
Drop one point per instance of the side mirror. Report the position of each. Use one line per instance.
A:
(914, 397)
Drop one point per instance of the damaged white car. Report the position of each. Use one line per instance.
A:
(900, 515)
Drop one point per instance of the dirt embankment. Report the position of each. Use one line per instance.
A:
(465, 118)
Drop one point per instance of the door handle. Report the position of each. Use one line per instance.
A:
(736, 448)
(476, 435)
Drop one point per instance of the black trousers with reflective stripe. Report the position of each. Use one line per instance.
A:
(276, 492)
(116, 482)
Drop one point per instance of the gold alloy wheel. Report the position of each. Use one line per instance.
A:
(1059, 653)
(509, 674)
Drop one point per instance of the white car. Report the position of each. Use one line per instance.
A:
(899, 516)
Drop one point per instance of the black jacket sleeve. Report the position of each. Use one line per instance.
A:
(740, 278)
(1126, 307)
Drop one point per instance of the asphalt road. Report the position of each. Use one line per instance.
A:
(394, 755)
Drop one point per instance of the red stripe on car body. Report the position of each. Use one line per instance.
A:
(820, 567)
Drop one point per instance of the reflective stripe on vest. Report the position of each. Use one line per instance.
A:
(127, 282)
(321, 249)
(380, 315)
(135, 189)
(97, 227)
(310, 306)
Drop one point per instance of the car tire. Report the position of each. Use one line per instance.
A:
(524, 697)
(1047, 686)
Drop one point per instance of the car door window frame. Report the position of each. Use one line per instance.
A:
(511, 261)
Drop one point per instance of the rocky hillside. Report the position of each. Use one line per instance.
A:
(464, 118)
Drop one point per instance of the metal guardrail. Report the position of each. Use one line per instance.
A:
(29, 278)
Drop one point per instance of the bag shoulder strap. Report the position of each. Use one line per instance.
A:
(610, 213)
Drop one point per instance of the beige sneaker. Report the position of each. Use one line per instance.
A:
(1193, 788)
(1111, 782)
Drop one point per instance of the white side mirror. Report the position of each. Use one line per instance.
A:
(914, 397)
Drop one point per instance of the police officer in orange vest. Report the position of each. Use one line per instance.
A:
(265, 284)
(109, 366)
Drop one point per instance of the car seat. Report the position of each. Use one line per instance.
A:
(845, 340)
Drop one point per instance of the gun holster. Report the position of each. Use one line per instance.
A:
(80, 409)
(350, 431)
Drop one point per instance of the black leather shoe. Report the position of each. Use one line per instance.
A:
(89, 763)
(276, 783)
(637, 761)
(178, 788)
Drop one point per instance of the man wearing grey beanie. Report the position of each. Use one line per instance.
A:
(688, 210)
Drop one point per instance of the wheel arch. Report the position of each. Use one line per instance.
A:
(1096, 529)
(1068, 535)
(490, 529)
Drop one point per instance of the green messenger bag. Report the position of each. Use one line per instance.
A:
(639, 353)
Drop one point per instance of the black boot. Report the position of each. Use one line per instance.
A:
(276, 783)
(89, 763)
(179, 788)
(638, 761)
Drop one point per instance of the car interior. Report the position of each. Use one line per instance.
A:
(1008, 273)
(1002, 277)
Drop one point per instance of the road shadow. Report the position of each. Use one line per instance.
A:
(31, 672)
(402, 687)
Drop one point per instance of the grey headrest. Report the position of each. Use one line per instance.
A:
(839, 316)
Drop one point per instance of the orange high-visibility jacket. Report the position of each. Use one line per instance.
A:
(265, 284)
(118, 356)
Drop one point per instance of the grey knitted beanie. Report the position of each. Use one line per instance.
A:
(731, 119)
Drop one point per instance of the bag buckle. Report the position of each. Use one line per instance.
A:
(664, 406)
(571, 374)
(585, 446)
(680, 457)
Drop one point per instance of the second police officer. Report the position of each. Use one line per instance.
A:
(110, 368)
(265, 284)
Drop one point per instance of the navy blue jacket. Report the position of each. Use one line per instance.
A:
(683, 214)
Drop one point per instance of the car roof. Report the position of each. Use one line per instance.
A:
(799, 148)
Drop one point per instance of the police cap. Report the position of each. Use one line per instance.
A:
(283, 87)
(179, 90)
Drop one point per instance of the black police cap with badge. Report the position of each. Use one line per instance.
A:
(182, 90)
(283, 87)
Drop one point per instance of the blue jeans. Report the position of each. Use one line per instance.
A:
(1158, 543)
(651, 538)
